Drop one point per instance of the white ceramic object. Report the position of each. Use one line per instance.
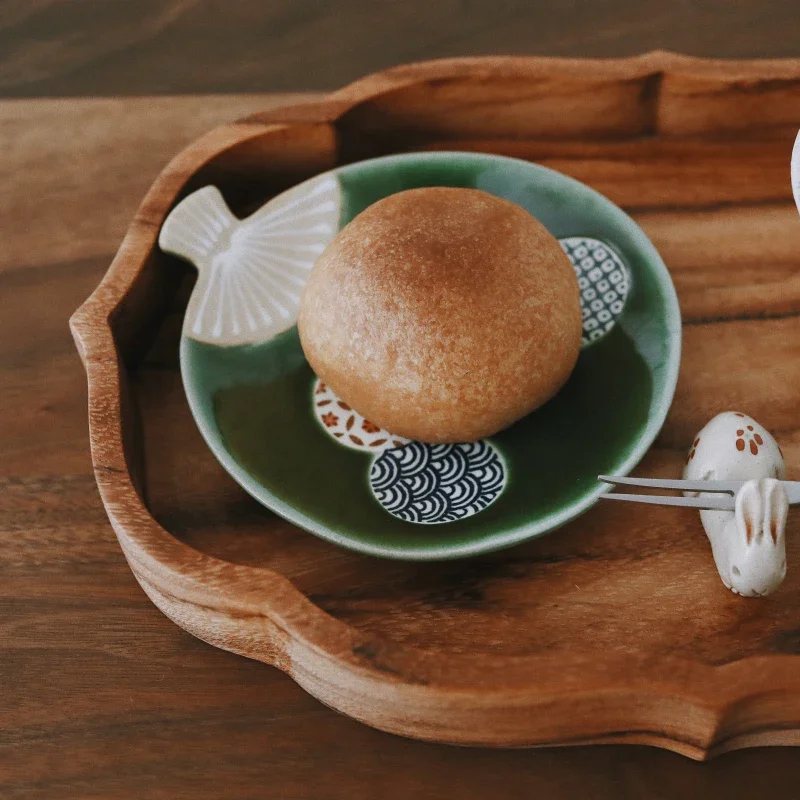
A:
(603, 282)
(251, 272)
(349, 427)
(749, 543)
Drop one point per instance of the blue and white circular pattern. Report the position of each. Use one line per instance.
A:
(603, 282)
(434, 483)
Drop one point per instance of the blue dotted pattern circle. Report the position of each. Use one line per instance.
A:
(603, 282)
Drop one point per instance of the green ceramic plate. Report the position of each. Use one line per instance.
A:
(283, 436)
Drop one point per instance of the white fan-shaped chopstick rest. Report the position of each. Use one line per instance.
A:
(251, 272)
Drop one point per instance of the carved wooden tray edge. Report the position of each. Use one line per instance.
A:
(690, 708)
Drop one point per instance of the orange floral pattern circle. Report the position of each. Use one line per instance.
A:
(349, 427)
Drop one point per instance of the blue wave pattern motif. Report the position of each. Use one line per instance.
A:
(603, 282)
(434, 483)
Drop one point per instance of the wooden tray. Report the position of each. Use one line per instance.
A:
(614, 629)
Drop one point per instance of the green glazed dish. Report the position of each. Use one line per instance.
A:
(260, 407)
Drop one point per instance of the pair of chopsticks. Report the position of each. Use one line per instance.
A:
(725, 500)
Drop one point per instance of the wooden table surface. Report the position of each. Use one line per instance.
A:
(97, 47)
(100, 695)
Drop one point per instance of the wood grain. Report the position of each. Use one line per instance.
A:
(102, 696)
(96, 47)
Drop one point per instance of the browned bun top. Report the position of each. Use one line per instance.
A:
(442, 314)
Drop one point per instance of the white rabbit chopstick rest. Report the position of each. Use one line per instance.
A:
(748, 543)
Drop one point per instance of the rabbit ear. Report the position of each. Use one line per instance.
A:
(761, 510)
(777, 509)
(749, 511)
